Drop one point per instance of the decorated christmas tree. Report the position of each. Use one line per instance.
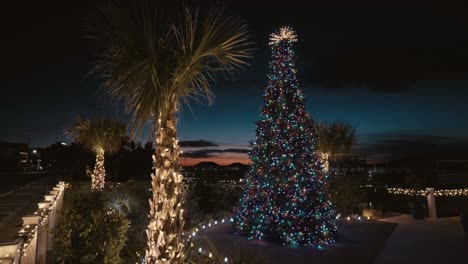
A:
(285, 194)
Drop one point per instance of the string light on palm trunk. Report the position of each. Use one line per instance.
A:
(165, 241)
(99, 174)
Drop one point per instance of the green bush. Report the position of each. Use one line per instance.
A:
(346, 194)
(215, 197)
(131, 199)
(89, 230)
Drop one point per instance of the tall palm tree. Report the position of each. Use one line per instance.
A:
(154, 62)
(99, 135)
(336, 137)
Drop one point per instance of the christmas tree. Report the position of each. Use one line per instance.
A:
(285, 195)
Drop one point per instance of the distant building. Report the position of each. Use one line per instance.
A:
(213, 172)
(13, 156)
(349, 164)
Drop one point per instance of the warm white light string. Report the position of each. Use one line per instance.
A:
(452, 192)
(349, 218)
(438, 193)
(28, 232)
(205, 227)
(408, 192)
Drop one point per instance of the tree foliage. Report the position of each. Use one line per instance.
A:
(335, 137)
(346, 193)
(152, 58)
(98, 133)
(285, 196)
(88, 231)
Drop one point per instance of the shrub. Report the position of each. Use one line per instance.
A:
(214, 197)
(131, 199)
(89, 230)
(369, 213)
(346, 193)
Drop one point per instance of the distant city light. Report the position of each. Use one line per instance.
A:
(34, 151)
(63, 143)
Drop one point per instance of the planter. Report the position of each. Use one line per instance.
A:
(464, 222)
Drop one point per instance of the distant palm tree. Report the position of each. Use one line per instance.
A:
(154, 62)
(334, 138)
(99, 135)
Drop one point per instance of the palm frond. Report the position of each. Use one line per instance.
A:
(98, 133)
(335, 137)
(207, 44)
(153, 61)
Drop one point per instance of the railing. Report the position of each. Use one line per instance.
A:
(35, 235)
(440, 203)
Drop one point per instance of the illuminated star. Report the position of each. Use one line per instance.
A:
(284, 34)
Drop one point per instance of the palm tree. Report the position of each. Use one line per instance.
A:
(155, 62)
(334, 138)
(99, 135)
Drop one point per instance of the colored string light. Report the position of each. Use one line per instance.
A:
(285, 194)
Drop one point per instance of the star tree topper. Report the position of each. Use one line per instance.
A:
(284, 34)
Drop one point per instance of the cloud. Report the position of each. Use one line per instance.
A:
(232, 150)
(197, 144)
(208, 153)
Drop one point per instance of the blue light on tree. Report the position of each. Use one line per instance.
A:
(285, 195)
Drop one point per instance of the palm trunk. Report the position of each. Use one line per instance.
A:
(166, 206)
(326, 165)
(98, 177)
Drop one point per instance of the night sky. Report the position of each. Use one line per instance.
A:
(399, 73)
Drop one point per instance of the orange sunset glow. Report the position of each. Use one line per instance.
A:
(221, 159)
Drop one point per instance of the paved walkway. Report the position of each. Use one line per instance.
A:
(357, 242)
(21, 202)
(427, 241)
(397, 239)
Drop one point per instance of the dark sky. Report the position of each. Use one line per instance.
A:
(398, 72)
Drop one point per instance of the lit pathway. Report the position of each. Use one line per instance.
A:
(426, 241)
(358, 242)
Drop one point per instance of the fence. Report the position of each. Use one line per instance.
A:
(402, 203)
(438, 203)
(35, 236)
